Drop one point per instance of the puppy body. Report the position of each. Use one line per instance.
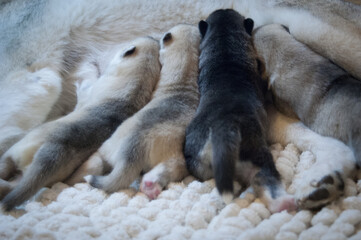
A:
(57, 148)
(228, 133)
(154, 136)
(310, 87)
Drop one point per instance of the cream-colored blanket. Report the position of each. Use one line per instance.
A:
(186, 210)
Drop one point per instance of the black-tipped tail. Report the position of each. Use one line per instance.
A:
(226, 147)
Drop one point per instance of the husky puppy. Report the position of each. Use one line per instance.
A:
(154, 136)
(57, 148)
(308, 86)
(227, 137)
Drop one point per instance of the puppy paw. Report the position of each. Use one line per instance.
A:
(323, 191)
(47, 78)
(286, 202)
(151, 189)
(283, 203)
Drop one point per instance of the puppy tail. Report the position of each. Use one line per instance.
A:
(226, 140)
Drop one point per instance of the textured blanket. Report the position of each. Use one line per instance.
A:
(186, 210)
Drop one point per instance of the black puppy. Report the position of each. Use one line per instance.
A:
(227, 138)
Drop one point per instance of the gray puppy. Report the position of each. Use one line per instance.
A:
(51, 152)
(322, 95)
(153, 138)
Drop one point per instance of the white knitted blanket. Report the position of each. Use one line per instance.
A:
(186, 210)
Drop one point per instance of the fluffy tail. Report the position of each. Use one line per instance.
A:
(226, 141)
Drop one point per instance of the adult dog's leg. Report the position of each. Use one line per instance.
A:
(324, 180)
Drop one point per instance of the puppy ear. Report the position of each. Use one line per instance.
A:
(167, 37)
(286, 28)
(248, 25)
(203, 26)
(129, 51)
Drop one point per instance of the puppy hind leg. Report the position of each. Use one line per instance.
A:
(95, 165)
(52, 163)
(7, 168)
(122, 175)
(27, 187)
(154, 181)
(267, 185)
(5, 188)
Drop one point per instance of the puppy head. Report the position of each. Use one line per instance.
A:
(178, 40)
(139, 48)
(226, 18)
(134, 54)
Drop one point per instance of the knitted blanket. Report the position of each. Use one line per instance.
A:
(185, 210)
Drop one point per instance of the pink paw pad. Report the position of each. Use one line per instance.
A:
(151, 189)
(283, 203)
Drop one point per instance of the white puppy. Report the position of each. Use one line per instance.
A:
(51, 152)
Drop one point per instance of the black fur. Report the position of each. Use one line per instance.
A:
(167, 37)
(230, 116)
(129, 52)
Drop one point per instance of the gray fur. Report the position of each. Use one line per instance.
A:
(155, 135)
(64, 144)
(306, 85)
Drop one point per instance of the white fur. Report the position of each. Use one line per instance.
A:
(331, 155)
(26, 105)
(120, 81)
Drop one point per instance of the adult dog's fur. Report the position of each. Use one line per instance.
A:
(55, 149)
(24, 106)
(36, 36)
(226, 139)
(154, 136)
(331, 28)
(308, 86)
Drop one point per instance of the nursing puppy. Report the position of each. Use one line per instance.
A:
(154, 136)
(57, 148)
(322, 95)
(227, 138)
